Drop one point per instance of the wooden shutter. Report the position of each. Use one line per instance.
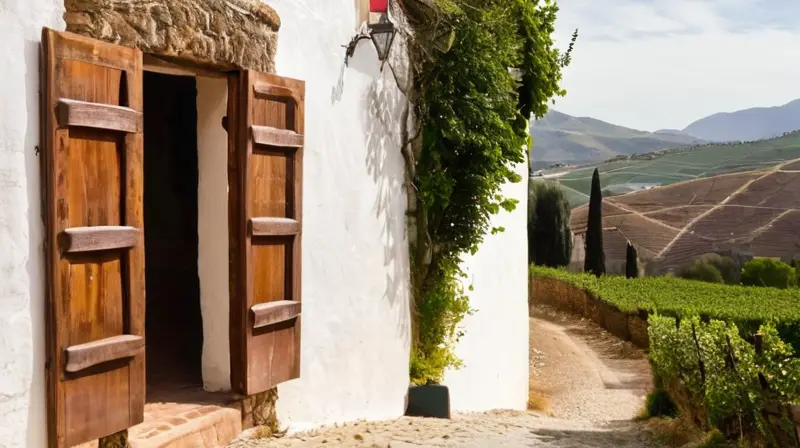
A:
(94, 244)
(265, 122)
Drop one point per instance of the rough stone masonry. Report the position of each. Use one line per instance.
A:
(220, 33)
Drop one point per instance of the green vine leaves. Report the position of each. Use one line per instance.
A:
(725, 376)
(471, 117)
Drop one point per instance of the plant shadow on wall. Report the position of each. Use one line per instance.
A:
(384, 103)
(470, 116)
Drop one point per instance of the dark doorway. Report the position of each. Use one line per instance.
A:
(173, 321)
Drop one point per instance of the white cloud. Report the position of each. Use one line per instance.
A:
(652, 64)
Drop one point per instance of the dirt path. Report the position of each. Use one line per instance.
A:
(594, 384)
(484, 430)
(583, 372)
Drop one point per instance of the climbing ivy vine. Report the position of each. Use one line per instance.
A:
(471, 114)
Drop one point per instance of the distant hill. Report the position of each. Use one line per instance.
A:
(666, 167)
(747, 125)
(756, 212)
(559, 137)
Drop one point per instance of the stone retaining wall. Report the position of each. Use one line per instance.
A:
(633, 327)
(565, 297)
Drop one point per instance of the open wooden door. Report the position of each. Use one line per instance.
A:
(265, 123)
(94, 243)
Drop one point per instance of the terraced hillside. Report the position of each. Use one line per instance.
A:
(678, 165)
(755, 211)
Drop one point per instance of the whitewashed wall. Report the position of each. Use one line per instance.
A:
(355, 255)
(22, 410)
(212, 231)
(494, 348)
(355, 260)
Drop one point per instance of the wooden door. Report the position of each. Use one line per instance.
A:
(265, 122)
(94, 245)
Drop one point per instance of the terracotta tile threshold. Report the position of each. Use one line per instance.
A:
(189, 418)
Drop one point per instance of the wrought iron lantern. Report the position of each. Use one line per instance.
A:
(380, 31)
(382, 35)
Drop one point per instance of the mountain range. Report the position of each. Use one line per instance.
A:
(748, 124)
(562, 138)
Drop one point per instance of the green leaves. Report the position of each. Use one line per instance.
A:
(474, 119)
(720, 370)
(744, 305)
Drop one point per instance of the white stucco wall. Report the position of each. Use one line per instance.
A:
(494, 348)
(212, 229)
(355, 252)
(22, 409)
(355, 255)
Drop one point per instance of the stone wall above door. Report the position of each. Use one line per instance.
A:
(224, 34)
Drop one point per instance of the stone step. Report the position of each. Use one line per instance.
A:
(179, 425)
(186, 419)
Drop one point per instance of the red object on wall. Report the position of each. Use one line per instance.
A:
(378, 5)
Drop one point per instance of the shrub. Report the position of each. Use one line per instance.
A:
(768, 272)
(703, 272)
(659, 404)
(549, 235)
(730, 270)
(631, 262)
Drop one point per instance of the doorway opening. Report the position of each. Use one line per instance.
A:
(173, 319)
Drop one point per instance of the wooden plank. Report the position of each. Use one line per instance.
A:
(286, 138)
(86, 239)
(273, 356)
(98, 116)
(75, 47)
(86, 175)
(271, 313)
(237, 228)
(83, 356)
(265, 191)
(274, 227)
(157, 64)
(275, 90)
(134, 266)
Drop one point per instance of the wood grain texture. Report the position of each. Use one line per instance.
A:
(263, 88)
(89, 180)
(280, 138)
(87, 239)
(271, 313)
(268, 184)
(82, 356)
(274, 226)
(168, 66)
(98, 116)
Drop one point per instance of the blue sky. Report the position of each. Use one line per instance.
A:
(653, 64)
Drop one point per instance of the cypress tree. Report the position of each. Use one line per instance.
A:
(595, 262)
(631, 262)
(549, 235)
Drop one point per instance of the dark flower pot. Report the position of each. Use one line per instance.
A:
(431, 400)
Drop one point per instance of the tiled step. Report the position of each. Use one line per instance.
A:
(188, 418)
(179, 425)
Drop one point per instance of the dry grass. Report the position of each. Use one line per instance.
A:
(537, 401)
(676, 432)
(267, 432)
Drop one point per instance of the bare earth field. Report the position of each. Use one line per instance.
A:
(678, 165)
(753, 211)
